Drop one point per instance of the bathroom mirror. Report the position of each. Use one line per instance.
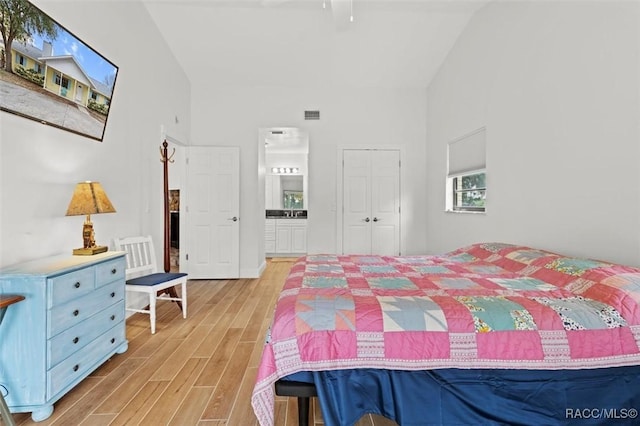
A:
(292, 192)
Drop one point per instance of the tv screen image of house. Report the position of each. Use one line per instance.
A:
(49, 75)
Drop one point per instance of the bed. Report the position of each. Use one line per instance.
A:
(491, 333)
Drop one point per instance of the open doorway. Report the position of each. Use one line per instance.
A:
(176, 178)
(174, 212)
(286, 151)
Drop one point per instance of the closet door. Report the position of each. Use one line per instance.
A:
(385, 202)
(371, 202)
(357, 202)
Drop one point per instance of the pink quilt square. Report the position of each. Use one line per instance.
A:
(544, 317)
(423, 282)
(553, 277)
(510, 345)
(510, 265)
(327, 345)
(601, 343)
(416, 345)
(368, 314)
(459, 319)
(282, 327)
(625, 299)
(357, 281)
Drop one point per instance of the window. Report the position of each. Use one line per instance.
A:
(37, 68)
(59, 79)
(469, 192)
(466, 176)
(94, 96)
(21, 59)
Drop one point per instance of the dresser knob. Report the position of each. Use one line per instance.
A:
(114, 270)
(76, 312)
(113, 294)
(77, 284)
(113, 317)
(113, 340)
(76, 367)
(76, 340)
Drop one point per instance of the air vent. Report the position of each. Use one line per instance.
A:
(312, 115)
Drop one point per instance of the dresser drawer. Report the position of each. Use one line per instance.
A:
(75, 338)
(86, 359)
(70, 286)
(108, 272)
(64, 316)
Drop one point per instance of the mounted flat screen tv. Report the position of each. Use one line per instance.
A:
(49, 75)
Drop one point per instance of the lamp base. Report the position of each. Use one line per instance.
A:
(90, 251)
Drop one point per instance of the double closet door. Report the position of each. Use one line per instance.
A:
(371, 201)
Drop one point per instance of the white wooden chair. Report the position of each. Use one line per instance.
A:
(143, 276)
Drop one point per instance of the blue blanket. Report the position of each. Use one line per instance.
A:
(607, 396)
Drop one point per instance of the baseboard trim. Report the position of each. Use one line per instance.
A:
(253, 273)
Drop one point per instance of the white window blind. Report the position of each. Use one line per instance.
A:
(467, 153)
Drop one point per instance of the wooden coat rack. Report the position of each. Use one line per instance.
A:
(166, 159)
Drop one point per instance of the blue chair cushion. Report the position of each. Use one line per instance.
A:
(157, 278)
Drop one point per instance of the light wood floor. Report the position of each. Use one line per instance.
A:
(198, 371)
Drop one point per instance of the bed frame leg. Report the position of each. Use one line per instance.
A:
(303, 411)
(302, 391)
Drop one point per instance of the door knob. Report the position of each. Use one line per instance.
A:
(375, 219)
(235, 219)
(367, 220)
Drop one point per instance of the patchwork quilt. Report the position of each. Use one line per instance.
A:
(490, 305)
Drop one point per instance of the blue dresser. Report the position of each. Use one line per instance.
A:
(71, 321)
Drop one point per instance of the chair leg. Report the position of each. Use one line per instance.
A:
(5, 414)
(152, 311)
(184, 300)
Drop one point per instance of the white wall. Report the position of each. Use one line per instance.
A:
(40, 165)
(557, 85)
(231, 116)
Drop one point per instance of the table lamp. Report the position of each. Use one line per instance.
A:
(89, 198)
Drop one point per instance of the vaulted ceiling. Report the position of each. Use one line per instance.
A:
(311, 43)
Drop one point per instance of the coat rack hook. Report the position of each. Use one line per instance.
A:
(163, 153)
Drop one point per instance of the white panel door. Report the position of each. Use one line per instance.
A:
(371, 202)
(213, 205)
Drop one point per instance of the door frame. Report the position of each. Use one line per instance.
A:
(340, 189)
